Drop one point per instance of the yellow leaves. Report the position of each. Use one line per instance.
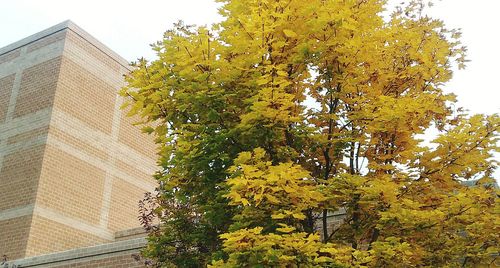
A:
(412, 218)
(436, 220)
(273, 107)
(289, 33)
(289, 189)
(376, 84)
(242, 239)
(464, 150)
(272, 200)
(286, 188)
(324, 259)
(245, 157)
(262, 81)
(244, 202)
(285, 228)
(256, 230)
(283, 214)
(392, 251)
(278, 216)
(282, 73)
(339, 255)
(383, 189)
(299, 216)
(252, 248)
(236, 197)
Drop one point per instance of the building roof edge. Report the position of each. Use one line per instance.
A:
(68, 24)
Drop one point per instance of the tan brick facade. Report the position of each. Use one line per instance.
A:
(72, 167)
(6, 85)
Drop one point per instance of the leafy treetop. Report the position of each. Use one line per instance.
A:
(288, 111)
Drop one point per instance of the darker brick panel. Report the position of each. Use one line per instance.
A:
(6, 84)
(38, 85)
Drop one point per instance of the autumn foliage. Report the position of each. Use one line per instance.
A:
(289, 111)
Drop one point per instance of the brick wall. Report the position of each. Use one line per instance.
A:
(72, 168)
(37, 89)
(6, 84)
(14, 237)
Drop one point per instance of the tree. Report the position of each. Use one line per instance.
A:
(288, 111)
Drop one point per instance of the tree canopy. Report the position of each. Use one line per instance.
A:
(288, 111)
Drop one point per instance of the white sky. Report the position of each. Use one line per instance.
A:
(129, 26)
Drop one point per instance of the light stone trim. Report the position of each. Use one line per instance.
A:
(15, 147)
(12, 103)
(60, 27)
(26, 60)
(25, 123)
(106, 200)
(12, 127)
(108, 180)
(83, 254)
(77, 129)
(16, 212)
(78, 224)
(15, 89)
(91, 64)
(130, 232)
(53, 215)
(96, 43)
(96, 162)
(101, 140)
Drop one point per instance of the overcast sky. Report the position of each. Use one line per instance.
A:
(129, 26)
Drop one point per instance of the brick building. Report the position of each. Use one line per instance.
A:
(72, 166)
